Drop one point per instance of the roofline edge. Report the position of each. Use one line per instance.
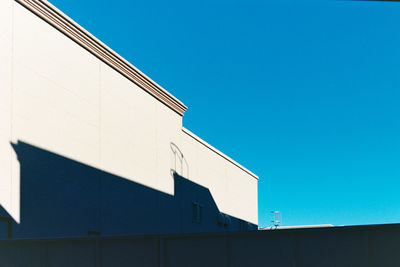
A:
(78, 34)
(210, 147)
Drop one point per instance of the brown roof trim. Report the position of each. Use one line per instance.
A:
(60, 21)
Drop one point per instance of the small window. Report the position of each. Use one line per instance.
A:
(197, 212)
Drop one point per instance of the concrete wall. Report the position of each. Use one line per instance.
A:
(57, 97)
(360, 246)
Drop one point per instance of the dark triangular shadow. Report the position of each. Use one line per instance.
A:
(60, 197)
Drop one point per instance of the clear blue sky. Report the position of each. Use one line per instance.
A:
(304, 93)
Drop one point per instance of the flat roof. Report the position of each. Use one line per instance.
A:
(297, 227)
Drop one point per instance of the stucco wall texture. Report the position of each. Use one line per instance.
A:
(57, 96)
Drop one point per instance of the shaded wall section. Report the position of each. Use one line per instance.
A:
(60, 197)
(359, 246)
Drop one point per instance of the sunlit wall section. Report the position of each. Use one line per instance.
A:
(6, 41)
(56, 90)
(233, 187)
(136, 132)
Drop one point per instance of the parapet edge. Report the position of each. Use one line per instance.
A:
(71, 29)
(201, 141)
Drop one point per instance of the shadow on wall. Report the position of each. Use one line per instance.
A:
(60, 197)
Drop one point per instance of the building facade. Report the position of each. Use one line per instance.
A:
(91, 145)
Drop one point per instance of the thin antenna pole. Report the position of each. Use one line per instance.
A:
(276, 219)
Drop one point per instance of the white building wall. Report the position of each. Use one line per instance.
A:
(57, 96)
(6, 41)
(136, 132)
(233, 188)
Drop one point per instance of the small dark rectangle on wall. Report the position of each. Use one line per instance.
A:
(5, 228)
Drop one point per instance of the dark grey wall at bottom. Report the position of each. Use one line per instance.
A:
(364, 246)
